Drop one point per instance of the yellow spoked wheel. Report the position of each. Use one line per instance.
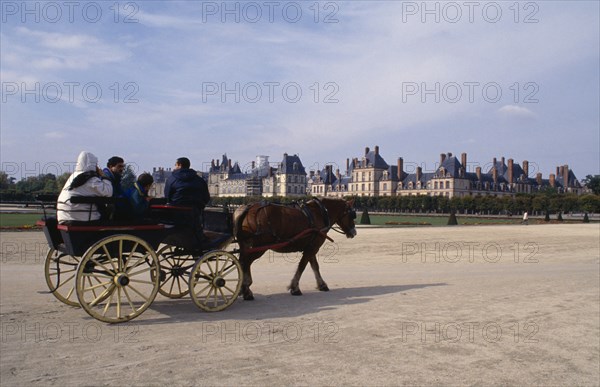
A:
(175, 267)
(116, 278)
(60, 271)
(215, 281)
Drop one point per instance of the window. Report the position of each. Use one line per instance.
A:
(435, 185)
(385, 186)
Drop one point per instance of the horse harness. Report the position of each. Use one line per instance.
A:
(304, 208)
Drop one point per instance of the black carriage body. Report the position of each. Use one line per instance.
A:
(78, 239)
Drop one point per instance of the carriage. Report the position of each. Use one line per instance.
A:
(114, 270)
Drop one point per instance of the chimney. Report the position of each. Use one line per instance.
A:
(463, 160)
(557, 171)
(478, 173)
(419, 173)
(377, 149)
(538, 179)
(502, 165)
(565, 177)
(526, 168)
(367, 150)
(552, 180)
(442, 158)
(494, 161)
(510, 170)
(347, 167)
(560, 171)
(270, 171)
(400, 168)
(153, 169)
(495, 175)
(337, 173)
(217, 163)
(253, 165)
(229, 163)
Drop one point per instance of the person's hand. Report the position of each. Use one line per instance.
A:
(99, 171)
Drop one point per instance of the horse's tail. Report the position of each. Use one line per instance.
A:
(238, 217)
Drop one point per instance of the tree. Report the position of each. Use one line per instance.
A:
(452, 219)
(593, 183)
(364, 218)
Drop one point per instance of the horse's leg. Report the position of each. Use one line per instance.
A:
(246, 263)
(314, 264)
(294, 287)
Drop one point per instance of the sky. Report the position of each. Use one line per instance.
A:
(152, 81)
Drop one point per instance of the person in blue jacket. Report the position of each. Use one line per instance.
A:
(185, 187)
(114, 172)
(138, 195)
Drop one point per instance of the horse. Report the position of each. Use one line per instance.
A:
(301, 227)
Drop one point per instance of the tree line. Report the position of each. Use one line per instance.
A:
(547, 201)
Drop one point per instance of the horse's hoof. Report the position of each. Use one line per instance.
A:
(248, 297)
(296, 292)
(324, 288)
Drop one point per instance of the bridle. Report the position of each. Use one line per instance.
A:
(349, 211)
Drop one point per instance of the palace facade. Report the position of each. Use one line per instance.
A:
(371, 175)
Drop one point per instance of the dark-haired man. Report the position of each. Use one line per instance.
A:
(114, 172)
(185, 188)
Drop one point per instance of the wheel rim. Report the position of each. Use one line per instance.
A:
(215, 281)
(60, 271)
(116, 278)
(175, 269)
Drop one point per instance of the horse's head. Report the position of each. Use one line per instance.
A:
(342, 213)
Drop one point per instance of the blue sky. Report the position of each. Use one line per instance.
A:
(155, 80)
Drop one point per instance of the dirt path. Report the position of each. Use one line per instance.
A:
(420, 306)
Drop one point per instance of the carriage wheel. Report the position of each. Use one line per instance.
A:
(174, 272)
(60, 271)
(116, 278)
(215, 281)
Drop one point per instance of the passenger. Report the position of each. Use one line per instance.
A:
(138, 195)
(114, 172)
(86, 180)
(185, 188)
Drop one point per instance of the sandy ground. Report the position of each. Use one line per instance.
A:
(490, 305)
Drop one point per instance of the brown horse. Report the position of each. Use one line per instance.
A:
(303, 227)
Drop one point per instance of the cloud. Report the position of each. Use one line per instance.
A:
(516, 111)
(55, 135)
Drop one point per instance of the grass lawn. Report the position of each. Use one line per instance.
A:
(19, 220)
(409, 220)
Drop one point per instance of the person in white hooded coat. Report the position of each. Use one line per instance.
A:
(87, 180)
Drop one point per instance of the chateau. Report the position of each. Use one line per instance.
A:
(371, 175)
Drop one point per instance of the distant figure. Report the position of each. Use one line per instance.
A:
(525, 218)
(185, 188)
(86, 180)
